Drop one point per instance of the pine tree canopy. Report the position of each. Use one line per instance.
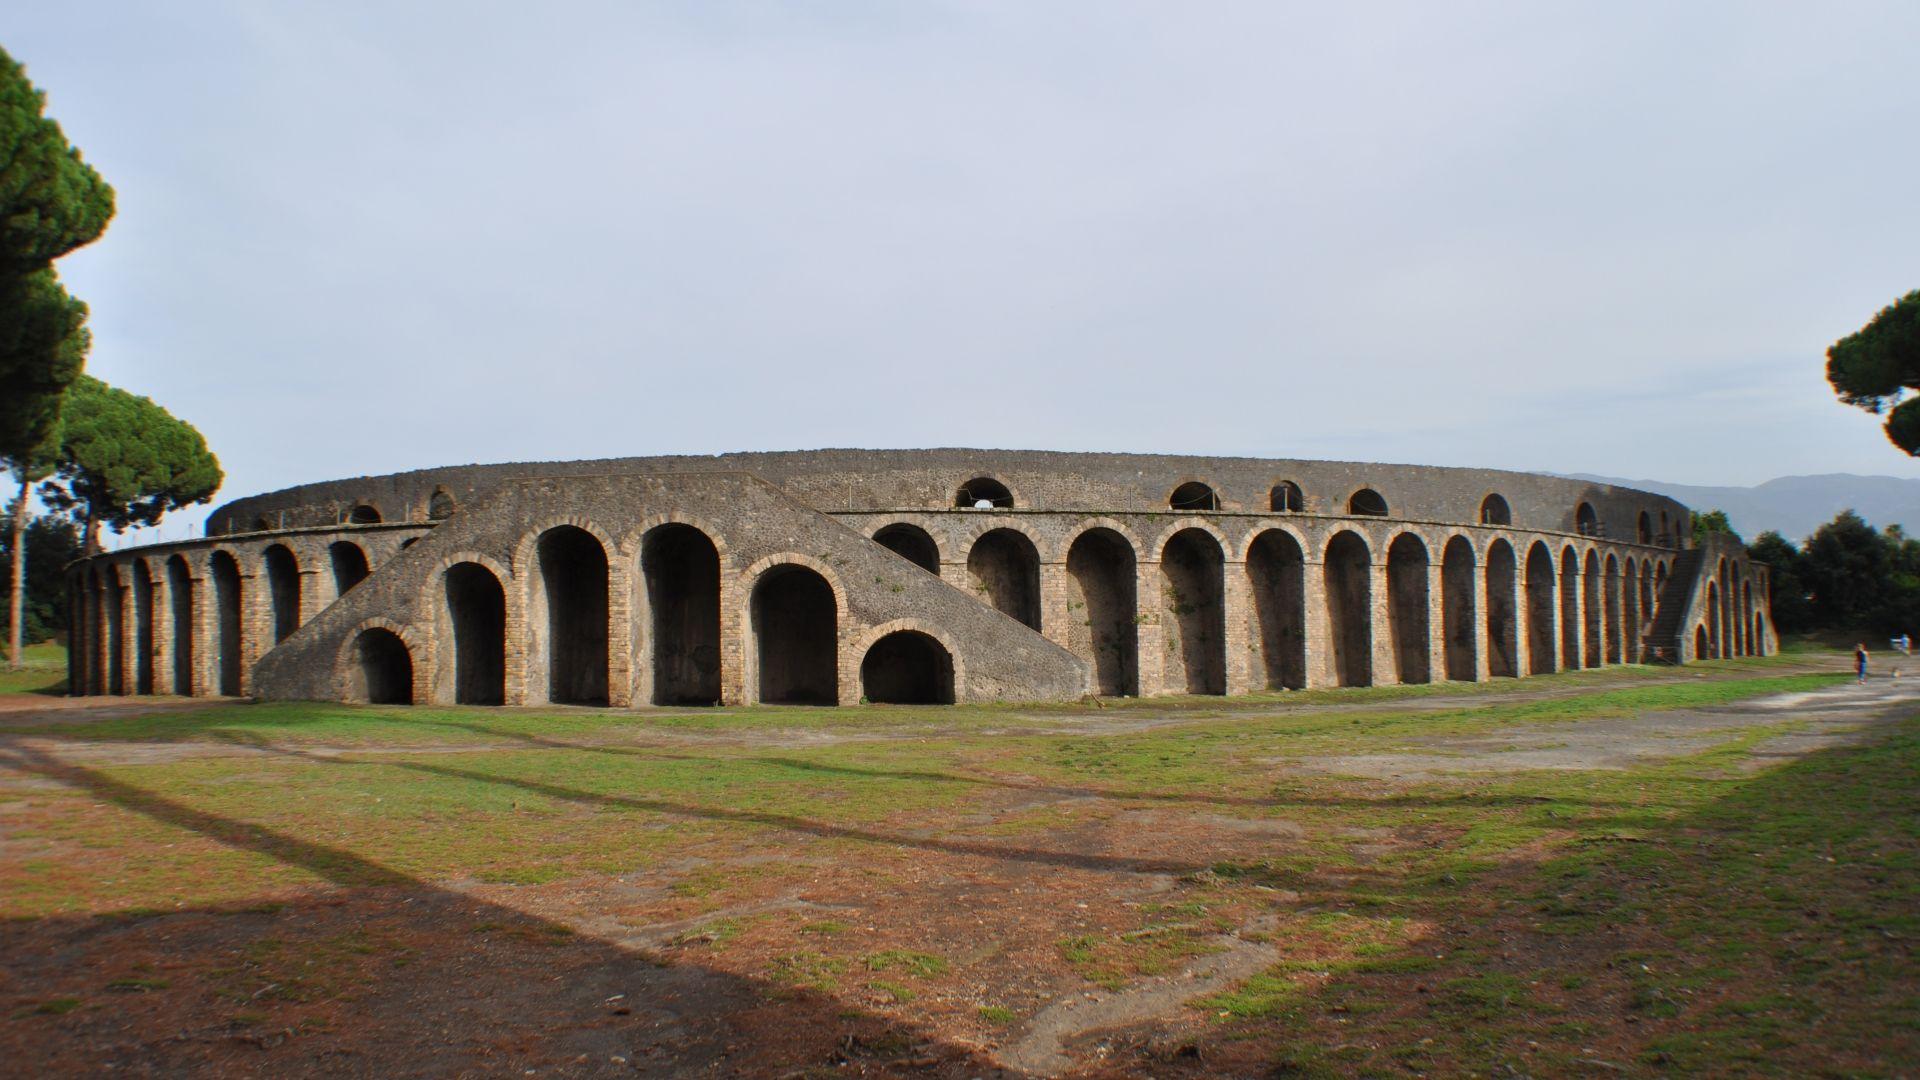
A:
(125, 461)
(50, 200)
(43, 345)
(1876, 365)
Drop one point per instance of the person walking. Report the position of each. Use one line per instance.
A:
(1860, 662)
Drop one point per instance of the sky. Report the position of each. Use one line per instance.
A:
(1611, 238)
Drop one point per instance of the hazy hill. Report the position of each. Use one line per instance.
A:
(1794, 506)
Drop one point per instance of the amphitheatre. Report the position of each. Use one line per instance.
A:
(836, 577)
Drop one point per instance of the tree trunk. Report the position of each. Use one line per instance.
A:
(17, 598)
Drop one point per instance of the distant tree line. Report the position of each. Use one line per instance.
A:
(1847, 576)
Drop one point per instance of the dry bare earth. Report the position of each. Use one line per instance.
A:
(1557, 883)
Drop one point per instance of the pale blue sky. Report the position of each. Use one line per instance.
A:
(1611, 237)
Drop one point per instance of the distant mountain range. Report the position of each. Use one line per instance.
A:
(1795, 506)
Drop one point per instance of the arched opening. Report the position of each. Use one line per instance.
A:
(1408, 597)
(1540, 655)
(1503, 623)
(1570, 654)
(1101, 604)
(1004, 569)
(113, 602)
(1586, 522)
(912, 543)
(1367, 503)
(1193, 495)
(226, 607)
(1592, 605)
(907, 668)
(283, 591)
(1666, 528)
(1646, 605)
(382, 670)
(1349, 586)
(569, 603)
(1714, 633)
(1610, 601)
(682, 569)
(1494, 511)
(142, 628)
(983, 493)
(349, 565)
(1747, 622)
(180, 600)
(1700, 644)
(1277, 570)
(363, 514)
(1630, 614)
(1286, 498)
(477, 620)
(1458, 618)
(796, 633)
(440, 505)
(1192, 585)
(1644, 530)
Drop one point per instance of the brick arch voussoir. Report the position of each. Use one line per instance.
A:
(1125, 532)
(419, 652)
(981, 529)
(1261, 528)
(524, 548)
(926, 523)
(634, 538)
(857, 655)
(1182, 524)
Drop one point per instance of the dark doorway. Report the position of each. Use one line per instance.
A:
(1458, 620)
(1277, 572)
(1193, 580)
(907, 668)
(682, 569)
(1349, 582)
(226, 606)
(796, 633)
(1005, 571)
(1569, 609)
(477, 616)
(180, 599)
(283, 591)
(143, 616)
(1503, 616)
(911, 543)
(349, 565)
(383, 668)
(573, 591)
(1408, 597)
(1540, 656)
(1101, 605)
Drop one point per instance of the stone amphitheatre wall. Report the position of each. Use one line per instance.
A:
(947, 575)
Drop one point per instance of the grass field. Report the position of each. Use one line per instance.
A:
(45, 671)
(1596, 873)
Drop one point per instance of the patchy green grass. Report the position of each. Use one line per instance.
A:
(45, 670)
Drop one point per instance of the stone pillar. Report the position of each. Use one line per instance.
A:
(1385, 668)
(1151, 639)
(1436, 621)
(1482, 640)
(1055, 620)
(514, 688)
(313, 598)
(256, 624)
(1320, 672)
(620, 634)
(1236, 599)
(206, 631)
(160, 613)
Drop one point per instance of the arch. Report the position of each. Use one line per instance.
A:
(1586, 521)
(1540, 653)
(1749, 635)
(568, 616)
(1503, 622)
(1277, 572)
(475, 609)
(1003, 566)
(1716, 635)
(227, 597)
(1630, 650)
(1592, 604)
(983, 489)
(1458, 618)
(1643, 529)
(1610, 601)
(1286, 498)
(180, 601)
(1700, 643)
(1193, 611)
(1666, 528)
(1194, 495)
(795, 624)
(1367, 503)
(381, 671)
(143, 616)
(364, 514)
(682, 570)
(1408, 596)
(1570, 622)
(349, 565)
(1495, 511)
(283, 591)
(912, 543)
(1102, 604)
(907, 667)
(441, 504)
(1348, 571)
